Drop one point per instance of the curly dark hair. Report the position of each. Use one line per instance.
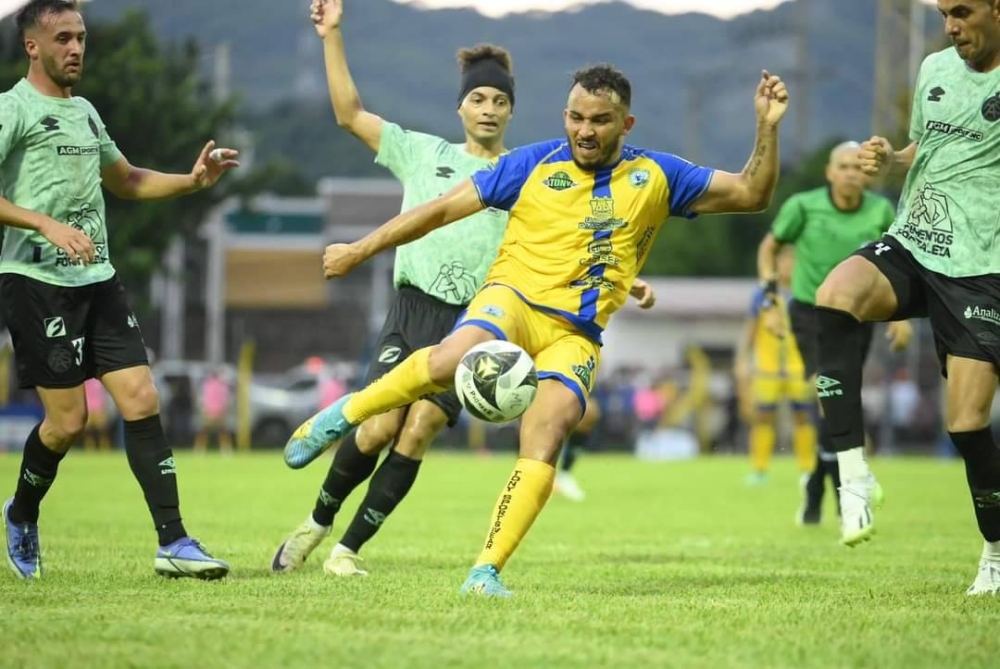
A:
(604, 77)
(471, 55)
(30, 14)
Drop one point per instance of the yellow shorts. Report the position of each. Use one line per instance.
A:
(560, 351)
(770, 390)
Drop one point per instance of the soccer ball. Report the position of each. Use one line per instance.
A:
(496, 381)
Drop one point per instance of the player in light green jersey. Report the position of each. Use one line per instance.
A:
(940, 259)
(65, 308)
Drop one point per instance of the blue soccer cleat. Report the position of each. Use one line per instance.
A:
(318, 434)
(485, 580)
(186, 557)
(24, 554)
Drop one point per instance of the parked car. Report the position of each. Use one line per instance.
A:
(274, 410)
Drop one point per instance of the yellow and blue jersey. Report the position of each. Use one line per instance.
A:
(779, 374)
(774, 355)
(576, 239)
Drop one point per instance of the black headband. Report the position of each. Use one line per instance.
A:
(487, 72)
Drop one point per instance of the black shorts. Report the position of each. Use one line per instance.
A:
(964, 311)
(415, 320)
(803, 318)
(63, 336)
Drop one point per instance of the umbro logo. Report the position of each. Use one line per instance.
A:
(168, 466)
(444, 172)
(374, 517)
(934, 95)
(50, 123)
(827, 387)
(390, 354)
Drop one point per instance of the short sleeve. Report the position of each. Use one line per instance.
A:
(789, 222)
(500, 185)
(687, 182)
(403, 151)
(11, 125)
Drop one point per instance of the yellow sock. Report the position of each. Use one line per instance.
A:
(804, 445)
(404, 385)
(521, 501)
(762, 438)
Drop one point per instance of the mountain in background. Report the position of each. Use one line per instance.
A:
(403, 62)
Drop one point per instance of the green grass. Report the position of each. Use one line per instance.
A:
(674, 565)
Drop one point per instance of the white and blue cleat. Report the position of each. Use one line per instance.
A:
(186, 557)
(484, 580)
(317, 434)
(24, 553)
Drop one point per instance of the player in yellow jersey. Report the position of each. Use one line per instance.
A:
(770, 372)
(584, 212)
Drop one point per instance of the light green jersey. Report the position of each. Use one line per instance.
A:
(824, 235)
(51, 154)
(949, 212)
(450, 263)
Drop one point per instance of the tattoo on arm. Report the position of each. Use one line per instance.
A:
(756, 159)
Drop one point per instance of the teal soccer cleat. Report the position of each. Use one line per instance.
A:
(318, 434)
(485, 580)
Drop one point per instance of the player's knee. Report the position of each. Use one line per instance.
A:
(762, 417)
(543, 434)
(374, 435)
(65, 428)
(967, 418)
(834, 294)
(423, 424)
(139, 400)
(444, 359)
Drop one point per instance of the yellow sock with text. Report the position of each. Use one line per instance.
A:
(521, 501)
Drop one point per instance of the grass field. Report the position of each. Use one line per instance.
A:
(674, 565)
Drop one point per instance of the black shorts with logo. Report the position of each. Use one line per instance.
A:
(415, 320)
(964, 311)
(63, 336)
(803, 320)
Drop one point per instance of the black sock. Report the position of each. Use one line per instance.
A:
(38, 470)
(841, 340)
(571, 449)
(153, 466)
(349, 468)
(388, 488)
(982, 470)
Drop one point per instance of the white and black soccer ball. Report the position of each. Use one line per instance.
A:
(496, 381)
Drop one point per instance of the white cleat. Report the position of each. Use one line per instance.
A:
(988, 579)
(567, 486)
(857, 524)
(297, 547)
(344, 562)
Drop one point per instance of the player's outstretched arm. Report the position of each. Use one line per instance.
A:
(458, 203)
(351, 115)
(751, 189)
(128, 182)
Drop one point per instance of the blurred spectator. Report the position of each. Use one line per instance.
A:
(215, 397)
(96, 435)
(331, 388)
